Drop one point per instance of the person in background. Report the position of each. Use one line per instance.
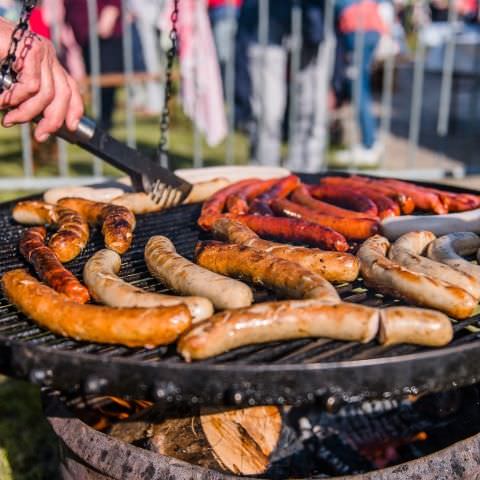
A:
(109, 30)
(360, 20)
(223, 18)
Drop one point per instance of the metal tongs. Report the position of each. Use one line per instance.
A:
(164, 187)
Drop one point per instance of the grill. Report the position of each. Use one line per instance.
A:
(301, 371)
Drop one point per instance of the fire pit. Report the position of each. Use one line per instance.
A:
(433, 437)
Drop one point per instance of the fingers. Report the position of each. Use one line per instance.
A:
(75, 109)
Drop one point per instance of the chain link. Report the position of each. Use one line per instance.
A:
(165, 120)
(18, 33)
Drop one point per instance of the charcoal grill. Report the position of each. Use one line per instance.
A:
(283, 372)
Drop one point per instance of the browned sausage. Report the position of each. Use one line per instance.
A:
(237, 203)
(334, 266)
(133, 327)
(392, 279)
(48, 267)
(117, 221)
(284, 277)
(274, 321)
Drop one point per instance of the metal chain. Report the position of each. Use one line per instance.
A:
(165, 120)
(18, 33)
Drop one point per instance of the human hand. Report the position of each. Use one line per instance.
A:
(43, 87)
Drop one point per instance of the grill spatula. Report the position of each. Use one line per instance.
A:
(147, 176)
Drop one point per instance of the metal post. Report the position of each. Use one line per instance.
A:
(197, 137)
(128, 74)
(416, 105)
(27, 157)
(358, 62)
(295, 59)
(263, 31)
(94, 71)
(230, 88)
(447, 74)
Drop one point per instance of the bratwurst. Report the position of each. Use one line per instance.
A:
(133, 327)
(100, 276)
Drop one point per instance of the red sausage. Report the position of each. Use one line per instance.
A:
(351, 228)
(237, 203)
(293, 230)
(281, 189)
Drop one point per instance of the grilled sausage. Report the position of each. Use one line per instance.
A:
(100, 276)
(133, 327)
(294, 230)
(449, 249)
(350, 228)
(302, 196)
(414, 325)
(117, 222)
(238, 202)
(406, 251)
(281, 189)
(72, 235)
(94, 194)
(345, 198)
(183, 276)
(392, 279)
(261, 268)
(48, 268)
(274, 321)
(333, 266)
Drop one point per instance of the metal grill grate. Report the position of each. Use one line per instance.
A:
(300, 370)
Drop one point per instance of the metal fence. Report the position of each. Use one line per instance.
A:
(30, 181)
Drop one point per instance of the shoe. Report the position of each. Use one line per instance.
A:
(341, 159)
(367, 157)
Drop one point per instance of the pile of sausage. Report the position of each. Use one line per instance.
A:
(329, 214)
(238, 217)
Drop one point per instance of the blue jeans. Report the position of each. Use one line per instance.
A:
(366, 120)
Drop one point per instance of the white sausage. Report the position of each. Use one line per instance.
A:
(95, 194)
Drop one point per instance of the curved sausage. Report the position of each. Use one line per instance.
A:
(48, 267)
(238, 202)
(255, 266)
(88, 193)
(133, 327)
(449, 249)
(100, 276)
(345, 198)
(117, 222)
(406, 251)
(350, 228)
(417, 326)
(274, 321)
(72, 234)
(294, 230)
(333, 266)
(302, 196)
(183, 276)
(392, 279)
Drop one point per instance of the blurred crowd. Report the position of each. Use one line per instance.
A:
(333, 66)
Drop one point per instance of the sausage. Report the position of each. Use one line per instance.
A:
(350, 228)
(94, 194)
(414, 325)
(274, 321)
(334, 266)
(406, 251)
(100, 276)
(48, 267)
(286, 278)
(133, 327)
(449, 250)
(213, 207)
(140, 202)
(302, 196)
(281, 189)
(118, 222)
(259, 207)
(237, 203)
(406, 203)
(390, 278)
(183, 276)
(72, 235)
(294, 230)
(345, 198)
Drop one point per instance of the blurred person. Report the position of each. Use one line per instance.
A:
(223, 17)
(109, 31)
(43, 87)
(267, 66)
(353, 17)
